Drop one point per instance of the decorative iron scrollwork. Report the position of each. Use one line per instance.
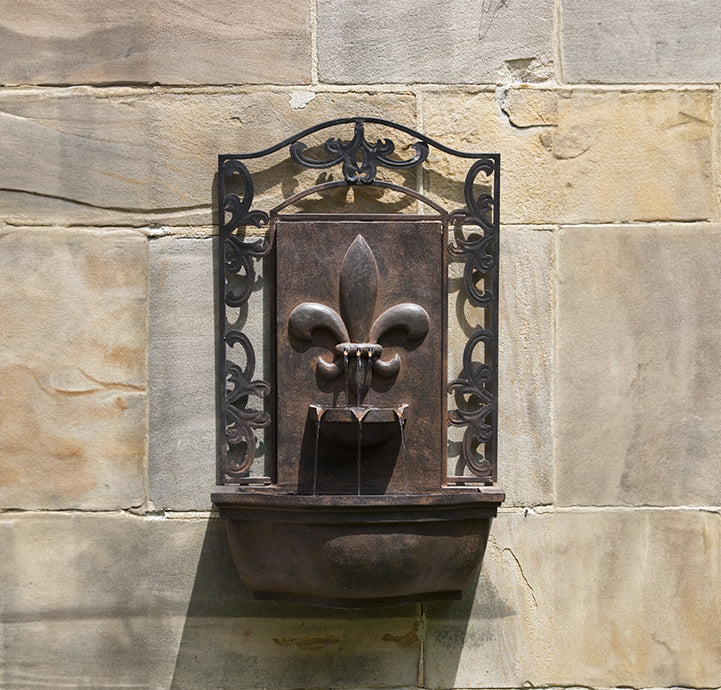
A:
(241, 423)
(371, 156)
(360, 161)
(238, 258)
(478, 383)
(480, 379)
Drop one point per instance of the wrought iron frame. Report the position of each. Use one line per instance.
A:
(359, 160)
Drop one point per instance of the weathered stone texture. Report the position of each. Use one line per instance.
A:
(590, 598)
(461, 42)
(162, 41)
(637, 599)
(116, 600)
(72, 369)
(525, 441)
(74, 156)
(648, 41)
(638, 408)
(525, 434)
(583, 156)
(500, 633)
(182, 445)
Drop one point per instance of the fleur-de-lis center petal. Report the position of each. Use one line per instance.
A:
(358, 289)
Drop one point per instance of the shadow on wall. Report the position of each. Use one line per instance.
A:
(230, 640)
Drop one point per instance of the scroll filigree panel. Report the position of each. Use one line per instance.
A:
(246, 401)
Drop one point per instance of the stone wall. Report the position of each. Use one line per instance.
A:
(603, 568)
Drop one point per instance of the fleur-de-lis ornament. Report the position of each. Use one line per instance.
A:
(356, 333)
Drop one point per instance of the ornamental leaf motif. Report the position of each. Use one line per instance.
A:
(347, 153)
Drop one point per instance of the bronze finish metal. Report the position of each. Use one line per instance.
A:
(410, 369)
(358, 552)
(357, 507)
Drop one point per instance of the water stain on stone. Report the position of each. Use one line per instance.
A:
(410, 639)
(312, 642)
(111, 267)
(128, 357)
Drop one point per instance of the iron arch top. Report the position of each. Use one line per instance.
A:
(359, 160)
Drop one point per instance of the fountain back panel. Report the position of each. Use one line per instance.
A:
(357, 506)
(312, 259)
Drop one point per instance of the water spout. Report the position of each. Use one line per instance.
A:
(345, 369)
(358, 460)
(358, 380)
(402, 423)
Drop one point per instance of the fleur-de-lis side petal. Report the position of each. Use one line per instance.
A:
(305, 318)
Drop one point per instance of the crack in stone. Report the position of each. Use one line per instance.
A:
(120, 209)
(489, 10)
(687, 119)
(523, 576)
(47, 384)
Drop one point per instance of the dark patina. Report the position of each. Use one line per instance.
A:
(357, 506)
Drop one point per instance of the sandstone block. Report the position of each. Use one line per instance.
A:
(644, 42)
(638, 411)
(408, 42)
(71, 157)
(162, 41)
(589, 598)
(525, 441)
(637, 598)
(565, 159)
(525, 434)
(182, 446)
(499, 634)
(72, 369)
(156, 603)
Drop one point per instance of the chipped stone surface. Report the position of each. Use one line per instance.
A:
(179, 617)
(72, 156)
(638, 411)
(407, 42)
(162, 41)
(593, 598)
(648, 41)
(565, 159)
(72, 369)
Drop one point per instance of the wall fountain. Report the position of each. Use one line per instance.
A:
(358, 504)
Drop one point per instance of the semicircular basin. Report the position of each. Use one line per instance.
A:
(357, 552)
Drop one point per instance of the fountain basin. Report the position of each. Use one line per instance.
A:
(357, 552)
(341, 424)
